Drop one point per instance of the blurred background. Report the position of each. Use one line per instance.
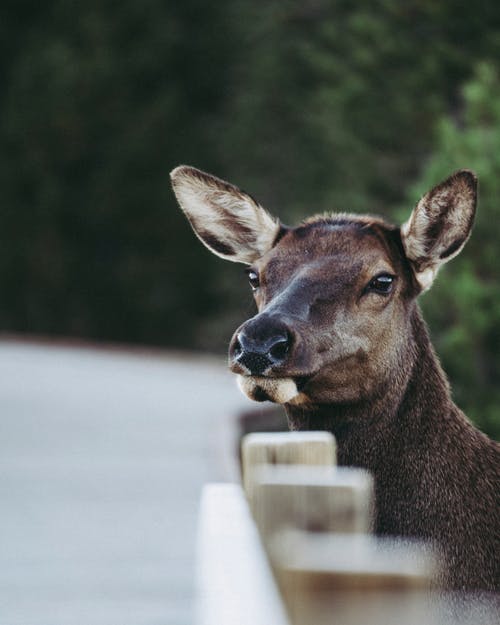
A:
(310, 105)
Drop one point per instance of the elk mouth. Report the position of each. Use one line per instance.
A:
(283, 390)
(259, 394)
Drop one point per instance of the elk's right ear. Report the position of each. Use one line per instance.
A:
(225, 219)
(440, 225)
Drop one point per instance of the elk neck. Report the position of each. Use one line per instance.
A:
(407, 414)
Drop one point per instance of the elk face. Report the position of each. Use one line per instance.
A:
(333, 295)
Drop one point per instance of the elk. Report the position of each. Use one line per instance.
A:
(339, 340)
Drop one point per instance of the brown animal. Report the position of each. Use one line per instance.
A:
(340, 341)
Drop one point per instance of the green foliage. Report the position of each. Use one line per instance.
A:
(463, 308)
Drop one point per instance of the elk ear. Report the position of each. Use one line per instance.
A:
(225, 219)
(440, 225)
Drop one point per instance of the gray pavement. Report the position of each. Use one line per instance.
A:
(102, 459)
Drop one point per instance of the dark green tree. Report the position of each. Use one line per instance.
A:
(99, 101)
(463, 308)
(335, 102)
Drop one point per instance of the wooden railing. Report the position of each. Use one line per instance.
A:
(293, 546)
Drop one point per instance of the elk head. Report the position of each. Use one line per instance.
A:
(334, 295)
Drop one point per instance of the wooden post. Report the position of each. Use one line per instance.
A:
(352, 579)
(315, 498)
(306, 448)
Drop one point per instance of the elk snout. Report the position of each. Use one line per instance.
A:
(260, 345)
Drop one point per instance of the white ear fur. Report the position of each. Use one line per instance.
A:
(440, 225)
(225, 219)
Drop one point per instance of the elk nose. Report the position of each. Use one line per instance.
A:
(259, 351)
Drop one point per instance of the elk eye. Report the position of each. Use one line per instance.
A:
(253, 278)
(381, 284)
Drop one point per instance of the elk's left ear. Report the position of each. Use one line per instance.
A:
(225, 219)
(440, 225)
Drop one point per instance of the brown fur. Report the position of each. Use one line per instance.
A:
(347, 358)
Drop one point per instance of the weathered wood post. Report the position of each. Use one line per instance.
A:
(352, 579)
(277, 448)
(313, 498)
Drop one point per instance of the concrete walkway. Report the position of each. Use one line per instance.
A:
(102, 458)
